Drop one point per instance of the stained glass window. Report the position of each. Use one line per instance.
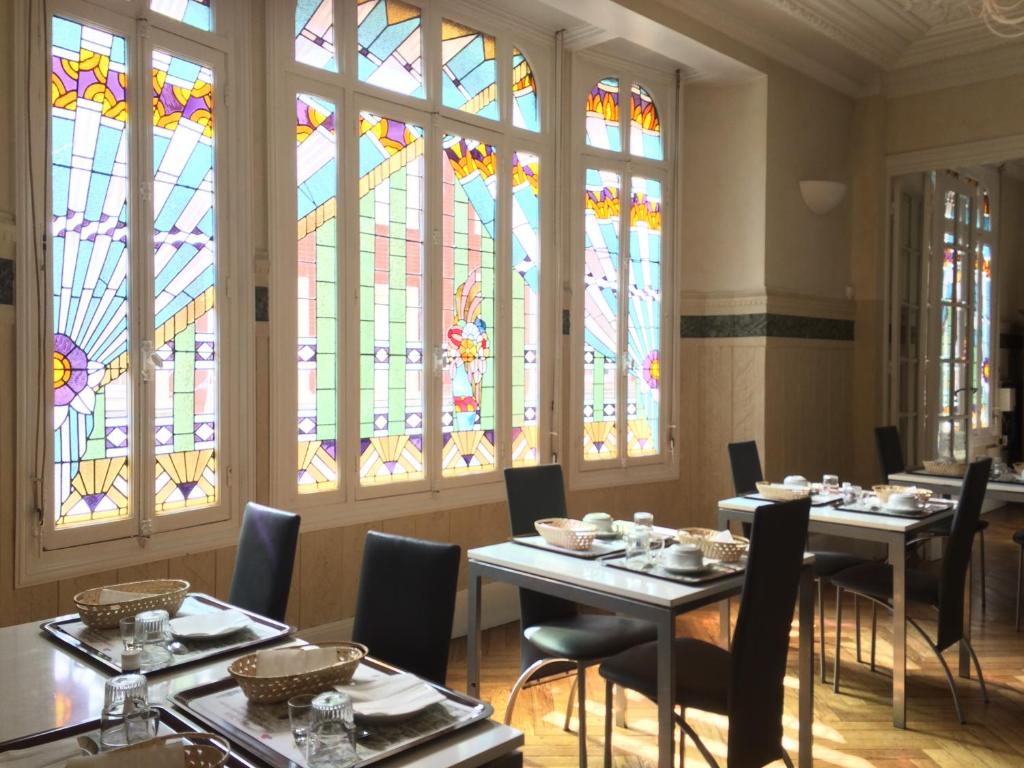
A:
(389, 46)
(601, 314)
(90, 262)
(314, 34)
(525, 112)
(469, 80)
(195, 13)
(469, 194)
(525, 328)
(643, 330)
(317, 264)
(184, 268)
(602, 117)
(391, 294)
(644, 125)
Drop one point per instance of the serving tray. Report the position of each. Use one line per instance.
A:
(264, 731)
(713, 571)
(103, 646)
(866, 508)
(49, 749)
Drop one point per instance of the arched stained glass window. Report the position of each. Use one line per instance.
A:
(602, 120)
(314, 34)
(195, 13)
(389, 46)
(525, 112)
(644, 126)
(469, 79)
(316, 160)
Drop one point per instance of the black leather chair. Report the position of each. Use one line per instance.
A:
(556, 637)
(940, 588)
(406, 602)
(264, 561)
(891, 461)
(746, 683)
(746, 473)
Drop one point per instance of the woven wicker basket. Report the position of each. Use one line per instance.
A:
(269, 690)
(776, 492)
(724, 551)
(883, 492)
(945, 467)
(567, 533)
(202, 750)
(167, 594)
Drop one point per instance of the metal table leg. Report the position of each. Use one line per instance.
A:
(473, 636)
(806, 668)
(898, 560)
(666, 690)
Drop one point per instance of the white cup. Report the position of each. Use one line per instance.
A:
(683, 557)
(798, 481)
(602, 521)
(902, 501)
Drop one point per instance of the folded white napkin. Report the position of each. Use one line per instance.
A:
(392, 695)
(157, 754)
(114, 596)
(281, 662)
(723, 536)
(209, 624)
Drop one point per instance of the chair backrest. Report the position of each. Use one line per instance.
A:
(533, 494)
(890, 451)
(264, 561)
(957, 556)
(761, 642)
(406, 602)
(746, 467)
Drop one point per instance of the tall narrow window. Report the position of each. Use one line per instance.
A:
(314, 34)
(643, 334)
(317, 266)
(525, 327)
(389, 46)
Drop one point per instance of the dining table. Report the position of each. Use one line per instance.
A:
(1006, 488)
(46, 686)
(596, 584)
(895, 532)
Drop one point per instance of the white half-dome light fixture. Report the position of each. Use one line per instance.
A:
(822, 196)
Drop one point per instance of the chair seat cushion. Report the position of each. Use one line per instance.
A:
(1019, 537)
(875, 580)
(588, 636)
(702, 673)
(827, 562)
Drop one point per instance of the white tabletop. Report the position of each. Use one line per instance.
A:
(45, 687)
(835, 516)
(954, 483)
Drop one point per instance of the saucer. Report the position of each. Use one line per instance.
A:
(685, 571)
(608, 535)
(891, 508)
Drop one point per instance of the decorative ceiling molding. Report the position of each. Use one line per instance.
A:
(847, 35)
(953, 71)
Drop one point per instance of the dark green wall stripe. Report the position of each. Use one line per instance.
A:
(764, 324)
(262, 304)
(6, 281)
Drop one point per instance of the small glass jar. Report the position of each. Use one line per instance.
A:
(331, 739)
(152, 629)
(127, 717)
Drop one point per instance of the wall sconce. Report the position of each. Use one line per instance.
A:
(822, 196)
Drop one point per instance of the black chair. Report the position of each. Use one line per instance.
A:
(746, 683)
(1018, 539)
(891, 461)
(264, 561)
(557, 639)
(941, 589)
(746, 473)
(406, 602)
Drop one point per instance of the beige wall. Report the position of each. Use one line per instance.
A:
(1010, 269)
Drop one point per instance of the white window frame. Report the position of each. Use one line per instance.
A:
(588, 68)
(43, 553)
(352, 502)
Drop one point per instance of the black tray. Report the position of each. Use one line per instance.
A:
(60, 631)
(931, 508)
(817, 499)
(216, 719)
(713, 572)
(168, 719)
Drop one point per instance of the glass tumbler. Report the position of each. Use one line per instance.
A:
(151, 632)
(331, 739)
(127, 717)
(300, 712)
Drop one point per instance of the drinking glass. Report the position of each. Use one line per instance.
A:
(331, 739)
(151, 632)
(126, 717)
(128, 639)
(830, 483)
(300, 711)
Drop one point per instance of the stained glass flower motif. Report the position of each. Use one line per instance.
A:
(602, 116)
(314, 34)
(525, 112)
(644, 125)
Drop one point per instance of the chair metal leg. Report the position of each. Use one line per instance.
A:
(608, 723)
(581, 701)
(856, 624)
(981, 544)
(977, 666)
(839, 635)
(682, 739)
(524, 678)
(945, 668)
(821, 627)
(687, 730)
(874, 631)
(569, 704)
(787, 760)
(1020, 582)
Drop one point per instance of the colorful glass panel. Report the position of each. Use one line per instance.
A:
(391, 293)
(314, 34)
(526, 260)
(389, 46)
(316, 161)
(643, 327)
(600, 314)
(602, 119)
(469, 80)
(469, 193)
(525, 112)
(195, 13)
(644, 125)
(184, 269)
(89, 230)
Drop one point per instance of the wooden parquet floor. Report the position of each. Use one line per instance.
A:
(852, 729)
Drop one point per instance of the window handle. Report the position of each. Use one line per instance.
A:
(151, 360)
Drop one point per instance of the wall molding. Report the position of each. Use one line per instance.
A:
(956, 155)
(767, 302)
(765, 324)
